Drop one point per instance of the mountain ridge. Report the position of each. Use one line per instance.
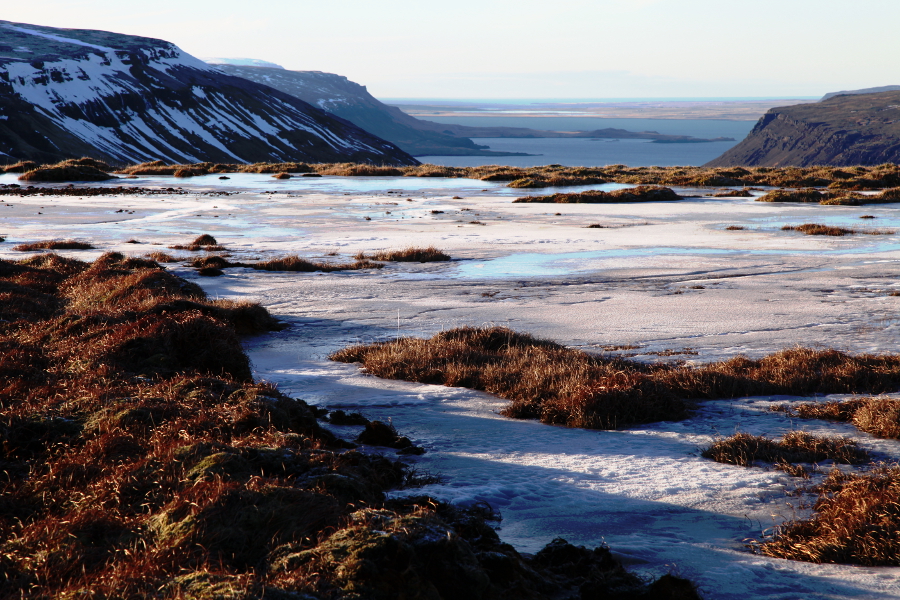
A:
(66, 93)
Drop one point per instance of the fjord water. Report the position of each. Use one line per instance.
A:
(597, 152)
(586, 152)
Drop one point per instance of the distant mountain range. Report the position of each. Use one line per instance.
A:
(844, 130)
(68, 93)
(873, 90)
(352, 101)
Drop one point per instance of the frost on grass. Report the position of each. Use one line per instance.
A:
(547, 381)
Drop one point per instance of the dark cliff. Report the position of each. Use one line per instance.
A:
(847, 130)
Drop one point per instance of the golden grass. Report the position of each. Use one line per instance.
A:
(161, 257)
(410, 254)
(642, 193)
(819, 229)
(81, 169)
(879, 416)
(885, 176)
(855, 522)
(54, 245)
(795, 446)
(733, 194)
(555, 384)
(302, 265)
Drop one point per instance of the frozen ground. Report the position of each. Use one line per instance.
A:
(659, 276)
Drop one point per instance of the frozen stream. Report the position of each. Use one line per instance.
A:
(659, 276)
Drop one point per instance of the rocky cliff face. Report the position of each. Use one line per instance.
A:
(68, 93)
(841, 131)
(348, 100)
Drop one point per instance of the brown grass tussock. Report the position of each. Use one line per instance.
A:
(547, 381)
(856, 521)
(410, 254)
(794, 447)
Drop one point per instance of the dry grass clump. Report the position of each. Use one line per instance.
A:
(54, 245)
(302, 265)
(733, 194)
(141, 461)
(855, 522)
(735, 228)
(21, 167)
(282, 176)
(806, 196)
(878, 415)
(819, 229)
(290, 167)
(794, 447)
(83, 169)
(561, 385)
(202, 242)
(411, 254)
(161, 257)
(641, 193)
(358, 170)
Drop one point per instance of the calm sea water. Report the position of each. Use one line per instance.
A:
(582, 152)
(701, 128)
(587, 152)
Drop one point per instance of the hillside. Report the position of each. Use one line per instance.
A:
(419, 137)
(858, 129)
(348, 100)
(68, 93)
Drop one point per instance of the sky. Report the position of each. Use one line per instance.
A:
(496, 49)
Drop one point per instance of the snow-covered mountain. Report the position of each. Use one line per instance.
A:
(68, 93)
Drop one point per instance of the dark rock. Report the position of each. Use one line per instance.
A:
(339, 417)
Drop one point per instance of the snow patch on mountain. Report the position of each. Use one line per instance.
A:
(128, 99)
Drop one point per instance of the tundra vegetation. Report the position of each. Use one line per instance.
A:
(855, 521)
(547, 381)
(855, 518)
(745, 449)
(641, 193)
(841, 181)
(410, 254)
(820, 229)
(140, 460)
(53, 245)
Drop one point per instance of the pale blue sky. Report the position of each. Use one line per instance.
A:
(525, 48)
